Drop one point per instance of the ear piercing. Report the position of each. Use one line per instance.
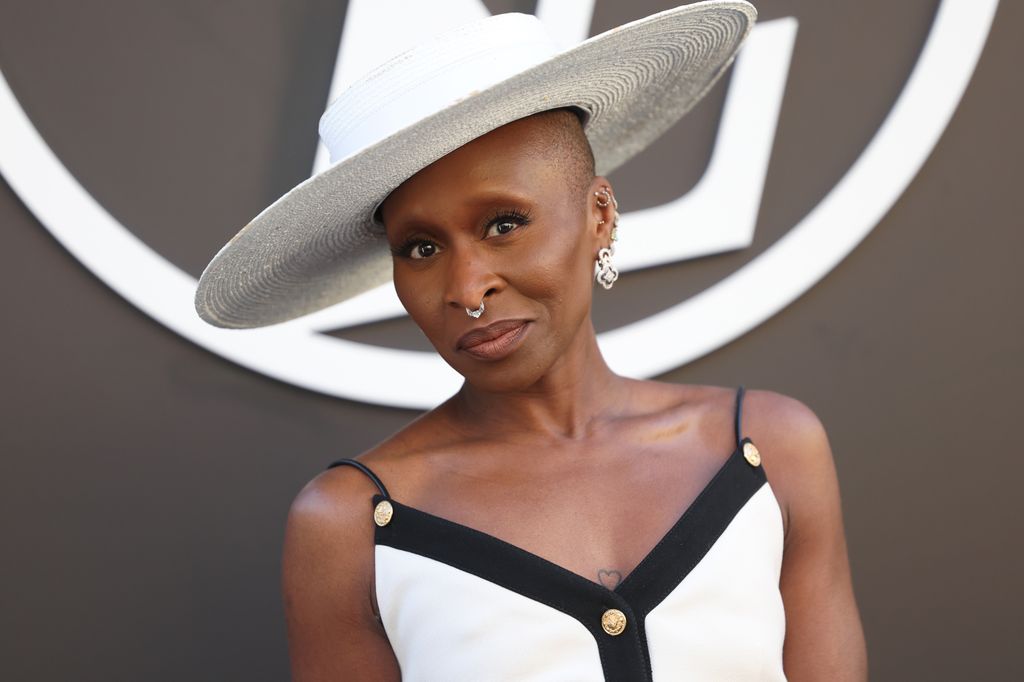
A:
(605, 197)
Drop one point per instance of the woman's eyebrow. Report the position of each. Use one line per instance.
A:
(407, 228)
(489, 197)
(422, 221)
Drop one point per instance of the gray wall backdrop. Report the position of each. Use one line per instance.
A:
(145, 480)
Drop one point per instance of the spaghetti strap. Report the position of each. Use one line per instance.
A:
(365, 469)
(739, 409)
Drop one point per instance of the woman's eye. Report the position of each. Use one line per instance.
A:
(502, 227)
(423, 250)
(503, 224)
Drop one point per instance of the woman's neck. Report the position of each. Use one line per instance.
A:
(577, 390)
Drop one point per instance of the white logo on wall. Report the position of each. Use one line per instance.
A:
(727, 196)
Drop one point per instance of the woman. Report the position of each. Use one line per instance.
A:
(551, 520)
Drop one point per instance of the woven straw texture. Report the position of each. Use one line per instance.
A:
(318, 244)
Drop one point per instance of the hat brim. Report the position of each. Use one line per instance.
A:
(318, 244)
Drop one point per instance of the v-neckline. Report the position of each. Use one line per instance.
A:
(639, 575)
(624, 653)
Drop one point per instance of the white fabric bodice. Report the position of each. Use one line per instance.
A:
(458, 604)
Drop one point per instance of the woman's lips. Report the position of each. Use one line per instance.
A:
(495, 341)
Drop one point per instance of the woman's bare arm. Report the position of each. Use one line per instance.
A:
(327, 582)
(824, 635)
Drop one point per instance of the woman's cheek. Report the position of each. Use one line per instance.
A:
(554, 262)
(417, 301)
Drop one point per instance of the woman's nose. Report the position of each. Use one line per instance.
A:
(470, 280)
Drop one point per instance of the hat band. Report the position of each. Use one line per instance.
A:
(387, 100)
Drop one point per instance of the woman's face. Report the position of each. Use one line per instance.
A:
(508, 220)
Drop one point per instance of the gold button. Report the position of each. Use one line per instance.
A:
(382, 513)
(613, 621)
(751, 454)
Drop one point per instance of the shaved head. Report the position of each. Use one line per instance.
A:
(563, 132)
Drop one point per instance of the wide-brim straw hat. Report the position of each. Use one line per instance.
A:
(320, 243)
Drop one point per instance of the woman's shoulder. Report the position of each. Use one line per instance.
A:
(346, 492)
(331, 516)
(327, 571)
(765, 415)
(787, 431)
(337, 502)
(795, 452)
(711, 394)
(790, 436)
(328, 547)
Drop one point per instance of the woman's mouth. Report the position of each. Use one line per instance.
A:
(495, 341)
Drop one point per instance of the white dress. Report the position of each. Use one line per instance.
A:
(459, 605)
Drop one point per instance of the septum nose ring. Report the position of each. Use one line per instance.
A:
(478, 312)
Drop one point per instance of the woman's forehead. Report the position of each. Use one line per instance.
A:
(529, 152)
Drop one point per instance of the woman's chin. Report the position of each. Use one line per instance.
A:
(513, 374)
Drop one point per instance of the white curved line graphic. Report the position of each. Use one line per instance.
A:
(294, 353)
(835, 226)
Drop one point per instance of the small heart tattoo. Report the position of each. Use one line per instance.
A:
(609, 579)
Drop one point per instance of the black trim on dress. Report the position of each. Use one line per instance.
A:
(625, 656)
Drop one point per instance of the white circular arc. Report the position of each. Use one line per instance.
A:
(299, 355)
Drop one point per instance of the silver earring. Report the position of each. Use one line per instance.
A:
(478, 312)
(604, 272)
(604, 199)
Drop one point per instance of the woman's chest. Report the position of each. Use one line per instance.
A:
(458, 603)
(598, 517)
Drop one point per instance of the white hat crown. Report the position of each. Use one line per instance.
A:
(431, 77)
